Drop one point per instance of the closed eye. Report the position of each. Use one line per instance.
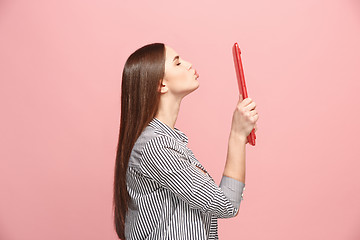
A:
(178, 63)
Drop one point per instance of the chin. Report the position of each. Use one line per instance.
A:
(196, 87)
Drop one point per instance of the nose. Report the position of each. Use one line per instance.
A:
(190, 67)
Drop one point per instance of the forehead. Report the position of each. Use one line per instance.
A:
(170, 54)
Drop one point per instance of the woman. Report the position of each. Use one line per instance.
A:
(161, 191)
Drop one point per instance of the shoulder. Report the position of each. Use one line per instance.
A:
(146, 135)
(163, 155)
(163, 143)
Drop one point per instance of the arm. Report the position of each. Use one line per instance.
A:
(235, 161)
(232, 188)
(164, 161)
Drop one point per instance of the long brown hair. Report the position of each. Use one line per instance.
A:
(142, 75)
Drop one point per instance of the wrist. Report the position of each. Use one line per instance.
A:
(238, 137)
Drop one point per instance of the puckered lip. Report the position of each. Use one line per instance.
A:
(196, 73)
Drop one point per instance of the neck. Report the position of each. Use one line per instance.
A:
(168, 110)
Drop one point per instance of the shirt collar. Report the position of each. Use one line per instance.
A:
(157, 124)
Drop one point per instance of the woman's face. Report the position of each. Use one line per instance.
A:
(180, 78)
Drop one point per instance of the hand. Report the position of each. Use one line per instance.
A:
(244, 117)
(250, 132)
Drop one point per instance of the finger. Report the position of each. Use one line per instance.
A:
(252, 118)
(251, 106)
(240, 98)
(247, 101)
(252, 113)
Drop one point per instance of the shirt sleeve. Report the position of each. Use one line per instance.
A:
(165, 161)
(233, 190)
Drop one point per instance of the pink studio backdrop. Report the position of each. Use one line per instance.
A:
(60, 70)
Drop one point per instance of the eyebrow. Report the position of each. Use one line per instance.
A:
(177, 57)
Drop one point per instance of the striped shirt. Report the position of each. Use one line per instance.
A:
(171, 198)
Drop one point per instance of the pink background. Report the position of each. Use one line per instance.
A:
(60, 70)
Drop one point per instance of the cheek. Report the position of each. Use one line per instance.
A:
(179, 78)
